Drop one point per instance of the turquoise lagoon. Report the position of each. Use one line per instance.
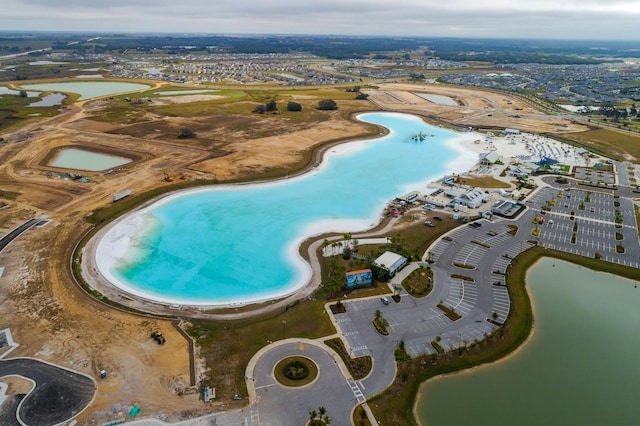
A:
(239, 243)
(88, 89)
(580, 367)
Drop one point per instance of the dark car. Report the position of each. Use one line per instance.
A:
(437, 218)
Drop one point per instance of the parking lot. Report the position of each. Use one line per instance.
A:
(589, 223)
(595, 176)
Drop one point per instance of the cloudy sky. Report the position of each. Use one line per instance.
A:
(569, 19)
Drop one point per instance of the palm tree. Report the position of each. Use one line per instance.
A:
(347, 238)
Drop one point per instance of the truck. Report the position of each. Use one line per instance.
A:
(120, 195)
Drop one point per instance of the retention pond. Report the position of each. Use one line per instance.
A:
(580, 366)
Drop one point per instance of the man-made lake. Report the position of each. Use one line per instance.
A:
(79, 159)
(580, 367)
(4, 90)
(88, 89)
(239, 243)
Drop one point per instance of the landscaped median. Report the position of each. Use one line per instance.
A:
(419, 282)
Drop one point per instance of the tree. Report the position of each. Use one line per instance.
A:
(271, 106)
(260, 109)
(362, 96)
(327, 105)
(186, 133)
(294, 106)
(23, 94)
(347, 252)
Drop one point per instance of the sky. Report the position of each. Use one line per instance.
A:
(560, 19)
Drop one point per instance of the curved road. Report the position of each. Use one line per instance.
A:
(15, 233)
(58, 394)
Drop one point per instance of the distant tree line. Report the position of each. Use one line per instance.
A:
(519, 58)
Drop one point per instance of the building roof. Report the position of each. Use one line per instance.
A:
(390, 260)
(473, 194)
(359, 271)
(491, 156)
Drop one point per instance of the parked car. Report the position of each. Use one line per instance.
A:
(384, 300)
(437, 218)
(429, 223)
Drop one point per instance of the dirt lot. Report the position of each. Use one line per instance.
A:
(54, 320)
(476, 108)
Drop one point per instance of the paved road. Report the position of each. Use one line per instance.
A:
(58, 394)
(15, 233)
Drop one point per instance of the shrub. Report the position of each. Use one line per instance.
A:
(327, 105)
(294, 106)
(271, 106)
(295, 370)
(186, 133)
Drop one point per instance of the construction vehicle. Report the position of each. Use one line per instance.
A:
(158, 337)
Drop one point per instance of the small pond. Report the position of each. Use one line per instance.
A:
(53, 99)
(89, 89)
(438, 99)
(79, 159)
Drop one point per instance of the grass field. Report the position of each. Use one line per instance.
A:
(235, 342)
(482, 182)
(14, 111)
(608, 142)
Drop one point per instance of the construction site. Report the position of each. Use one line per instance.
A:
(151, 362)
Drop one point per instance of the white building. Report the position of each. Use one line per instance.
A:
(472, 198)
(392, 262)
(489, 158)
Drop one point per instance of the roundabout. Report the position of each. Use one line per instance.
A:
(295, 371)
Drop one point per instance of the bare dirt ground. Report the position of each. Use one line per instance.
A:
(54, 320)
(476, 108)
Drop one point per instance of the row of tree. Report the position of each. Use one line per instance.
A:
(272, 106)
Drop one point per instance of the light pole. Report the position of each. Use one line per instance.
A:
(284, 328)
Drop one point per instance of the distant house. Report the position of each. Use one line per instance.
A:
(392, 262)
(510, 132)
(489, 158)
